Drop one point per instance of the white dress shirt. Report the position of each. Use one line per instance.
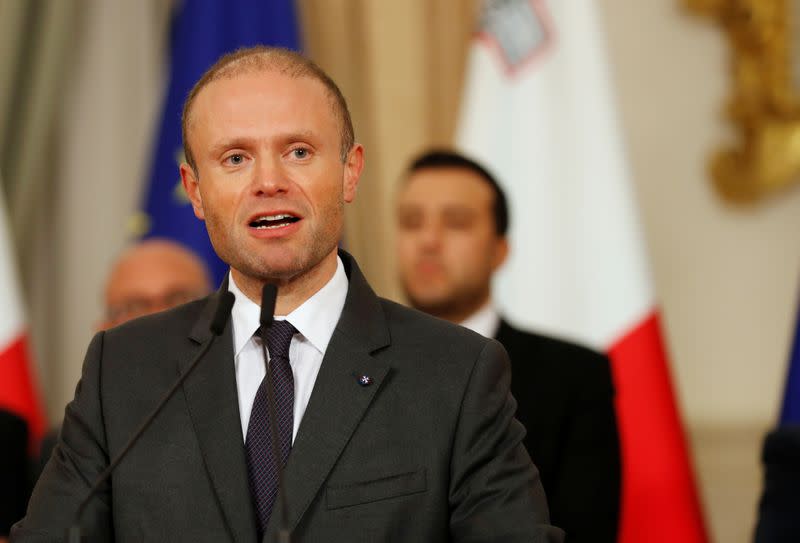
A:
(315, 321)
(485, 321)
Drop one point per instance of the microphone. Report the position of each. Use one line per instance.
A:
(221, 316)
(269, 295)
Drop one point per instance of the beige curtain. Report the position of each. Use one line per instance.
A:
(36, 38)
(80, 86)
(110, 108)
(400, 65)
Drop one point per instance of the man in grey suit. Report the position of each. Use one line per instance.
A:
(400, 427)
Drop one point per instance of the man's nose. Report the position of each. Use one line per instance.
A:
(431, 237)
(269, 177)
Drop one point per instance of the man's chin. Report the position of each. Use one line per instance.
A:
(280, 273)
(272, 270)
(434, 305)
(282, 266)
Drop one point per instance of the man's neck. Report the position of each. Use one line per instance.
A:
(484, 321)
(459, 312)
(291, 292)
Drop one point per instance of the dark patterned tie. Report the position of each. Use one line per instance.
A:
(261, 462)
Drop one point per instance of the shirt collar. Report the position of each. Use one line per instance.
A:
(484, 321)
(315, 319)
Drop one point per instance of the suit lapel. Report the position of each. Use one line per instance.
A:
(211, 395)
(338, 402)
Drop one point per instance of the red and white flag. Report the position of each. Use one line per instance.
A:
(538, 110)
(18, 390)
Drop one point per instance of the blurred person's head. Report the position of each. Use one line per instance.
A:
(270, 164)
(150, 276)
(452, 219)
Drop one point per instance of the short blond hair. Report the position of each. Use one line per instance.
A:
(269, 59)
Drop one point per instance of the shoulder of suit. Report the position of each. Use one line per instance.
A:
(153, 342)
(428, 339)
(437, 351)
(178, 320)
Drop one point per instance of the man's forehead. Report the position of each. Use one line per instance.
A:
(271, 85)
(155, 282)
(446, 184)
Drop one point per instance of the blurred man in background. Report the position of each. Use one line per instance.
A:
(149, 276)
(452, 219)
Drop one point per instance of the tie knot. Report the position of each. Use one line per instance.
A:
(279, 338)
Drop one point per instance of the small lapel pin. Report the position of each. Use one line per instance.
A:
(365, 380)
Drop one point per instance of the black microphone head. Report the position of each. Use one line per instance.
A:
(269, 295)
(223, 313)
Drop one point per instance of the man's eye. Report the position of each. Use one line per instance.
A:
(459, 224)
(410, 222)
(236, 159)
(300, 152)
(458, 221)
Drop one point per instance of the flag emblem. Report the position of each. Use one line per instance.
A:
(519, 29)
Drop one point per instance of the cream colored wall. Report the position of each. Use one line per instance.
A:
(728, 277)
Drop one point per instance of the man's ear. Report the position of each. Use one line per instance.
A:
(192, 188)
(352, 172)
(500, 252)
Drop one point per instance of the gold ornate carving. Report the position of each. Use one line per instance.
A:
(765, 101)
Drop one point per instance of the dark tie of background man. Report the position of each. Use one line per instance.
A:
(261, 464)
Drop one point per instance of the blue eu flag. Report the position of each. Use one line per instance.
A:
(201, 32)
(790, 414)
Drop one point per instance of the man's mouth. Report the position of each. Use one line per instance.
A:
(266, 222)
(429, 267)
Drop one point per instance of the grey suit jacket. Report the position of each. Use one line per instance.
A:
(428, 452)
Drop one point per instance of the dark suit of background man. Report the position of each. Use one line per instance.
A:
(452, 223)
(403, 425)
(14, 473)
